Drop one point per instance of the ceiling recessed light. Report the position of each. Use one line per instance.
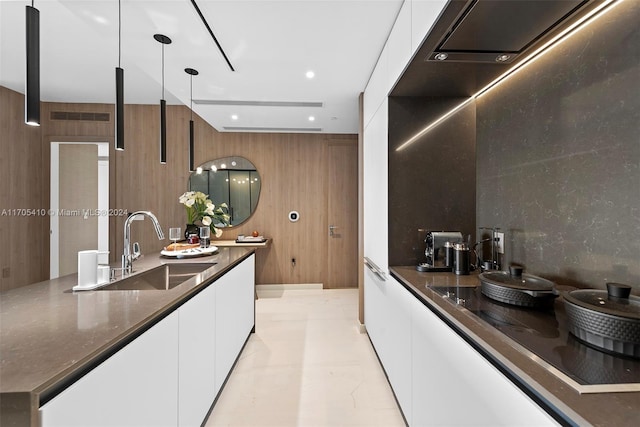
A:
(199, 170)
(503, 58)
(234, 117)
(441, 56)
(311, 118)
(310, 74)
(214, 168)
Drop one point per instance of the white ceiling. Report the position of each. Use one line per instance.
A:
(271, 44)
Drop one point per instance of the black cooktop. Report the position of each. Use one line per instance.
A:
(544, 333)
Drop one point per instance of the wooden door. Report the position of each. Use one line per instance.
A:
(342, 215)
(78, 195)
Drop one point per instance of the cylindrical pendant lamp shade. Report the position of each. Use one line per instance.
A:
(191, 147)
(191, 73)
(119, 108)
(32, 78)
(163, 40)
(163, 131)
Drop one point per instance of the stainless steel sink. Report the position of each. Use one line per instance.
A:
(163, 277)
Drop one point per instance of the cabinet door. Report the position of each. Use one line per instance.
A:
(375, 187)
(137, 386)
(388, 322)
(455, 385)
(377, 88)
(398, 363)
(196, 370)
(376, 313)
(424, 14)
(399, 45)
(234, 316)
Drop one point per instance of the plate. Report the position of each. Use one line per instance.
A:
(189, 253)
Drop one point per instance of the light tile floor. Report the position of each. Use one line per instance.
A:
(307, 365)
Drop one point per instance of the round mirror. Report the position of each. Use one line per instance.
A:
(231, 180)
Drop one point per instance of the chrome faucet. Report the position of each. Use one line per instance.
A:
(127, 256)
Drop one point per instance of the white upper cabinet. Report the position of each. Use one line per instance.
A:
(376, 182)
(399, 45)
(424, 14)
(377, 88)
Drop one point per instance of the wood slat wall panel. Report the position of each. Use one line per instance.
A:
(292, 168)
(23, 186)
(144, 183)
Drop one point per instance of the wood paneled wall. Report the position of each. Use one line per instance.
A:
(72, 131)
(23, 186)
(292, 169)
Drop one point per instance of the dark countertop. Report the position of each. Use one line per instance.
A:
(49, 335)
(601, 408)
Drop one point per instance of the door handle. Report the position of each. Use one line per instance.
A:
(331, 230)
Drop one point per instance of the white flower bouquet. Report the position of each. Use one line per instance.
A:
(201, 209)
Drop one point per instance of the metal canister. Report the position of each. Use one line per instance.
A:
(461, 258)
(448, 255)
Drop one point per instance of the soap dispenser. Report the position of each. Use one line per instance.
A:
(90, 275)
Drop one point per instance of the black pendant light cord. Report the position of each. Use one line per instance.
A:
(163, 71)
(119, 33)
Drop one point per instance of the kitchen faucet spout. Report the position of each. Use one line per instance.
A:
(127, 256)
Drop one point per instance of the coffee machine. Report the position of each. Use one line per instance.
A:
(437, 243)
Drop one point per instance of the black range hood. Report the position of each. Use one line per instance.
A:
(491, 29)
(469, 35)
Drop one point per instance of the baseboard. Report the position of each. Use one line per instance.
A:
(289, 287)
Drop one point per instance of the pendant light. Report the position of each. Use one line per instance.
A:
(32, 77)
(119, 88)
(191, 73)
(162, 39)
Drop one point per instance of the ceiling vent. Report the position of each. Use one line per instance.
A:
(499, 31)
(258, 103)
(80, 116)
(270, 129)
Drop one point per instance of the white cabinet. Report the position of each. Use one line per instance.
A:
(170, 375)
(399, 45)
(214, 325)
(398, 361)
(137, 386)
(377, 88)
(454, 385)
(424, 14)
(375, 185)
(376, 315)
(197, 345)
(388, 322)
(234, 316)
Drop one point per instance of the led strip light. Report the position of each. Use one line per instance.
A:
(562, 36)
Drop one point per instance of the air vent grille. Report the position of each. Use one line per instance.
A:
(270, 129)
(258, 103)
(80, 116)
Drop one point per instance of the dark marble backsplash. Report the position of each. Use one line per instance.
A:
(432, 182)
(558, 157)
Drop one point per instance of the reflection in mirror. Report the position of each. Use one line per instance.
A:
(231, 180)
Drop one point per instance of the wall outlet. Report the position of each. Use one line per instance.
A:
(500, 242)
